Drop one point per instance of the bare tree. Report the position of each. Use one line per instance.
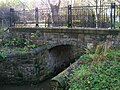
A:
(55, 12)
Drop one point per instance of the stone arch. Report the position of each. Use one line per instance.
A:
(61, 55)
(63, 42)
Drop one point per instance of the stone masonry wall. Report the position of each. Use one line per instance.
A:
(37, 65)
(24, 68)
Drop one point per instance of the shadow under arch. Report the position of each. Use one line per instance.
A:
(60, 57)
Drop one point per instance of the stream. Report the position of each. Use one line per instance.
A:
(42, 86)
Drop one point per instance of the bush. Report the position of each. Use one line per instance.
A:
(104, 75)
(18, 43)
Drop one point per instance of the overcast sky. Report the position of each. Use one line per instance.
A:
(52, 1)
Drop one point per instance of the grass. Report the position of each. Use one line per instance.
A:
(102, 73)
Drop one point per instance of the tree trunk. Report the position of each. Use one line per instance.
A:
(59, 81)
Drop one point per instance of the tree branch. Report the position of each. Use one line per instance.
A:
(59, 3)
(49, 2)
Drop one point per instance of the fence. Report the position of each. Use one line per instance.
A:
(107, 16)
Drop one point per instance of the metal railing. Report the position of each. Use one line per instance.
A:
(82, 16)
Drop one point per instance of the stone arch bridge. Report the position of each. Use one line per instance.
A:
(58, 49)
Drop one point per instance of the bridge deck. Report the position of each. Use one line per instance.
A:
(99, 31)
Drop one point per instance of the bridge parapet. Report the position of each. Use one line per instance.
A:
(55, 35)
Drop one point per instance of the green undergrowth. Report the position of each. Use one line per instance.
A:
(18, 43)
(101, 73)
(15, 44)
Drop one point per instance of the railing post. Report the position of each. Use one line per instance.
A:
(69, 16)
(48, 21)
(119, 14)
(24, 17)
(112, 16)
(36, 17)
(12, 18)
(97, 14)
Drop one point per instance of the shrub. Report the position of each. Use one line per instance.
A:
(103, 75)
